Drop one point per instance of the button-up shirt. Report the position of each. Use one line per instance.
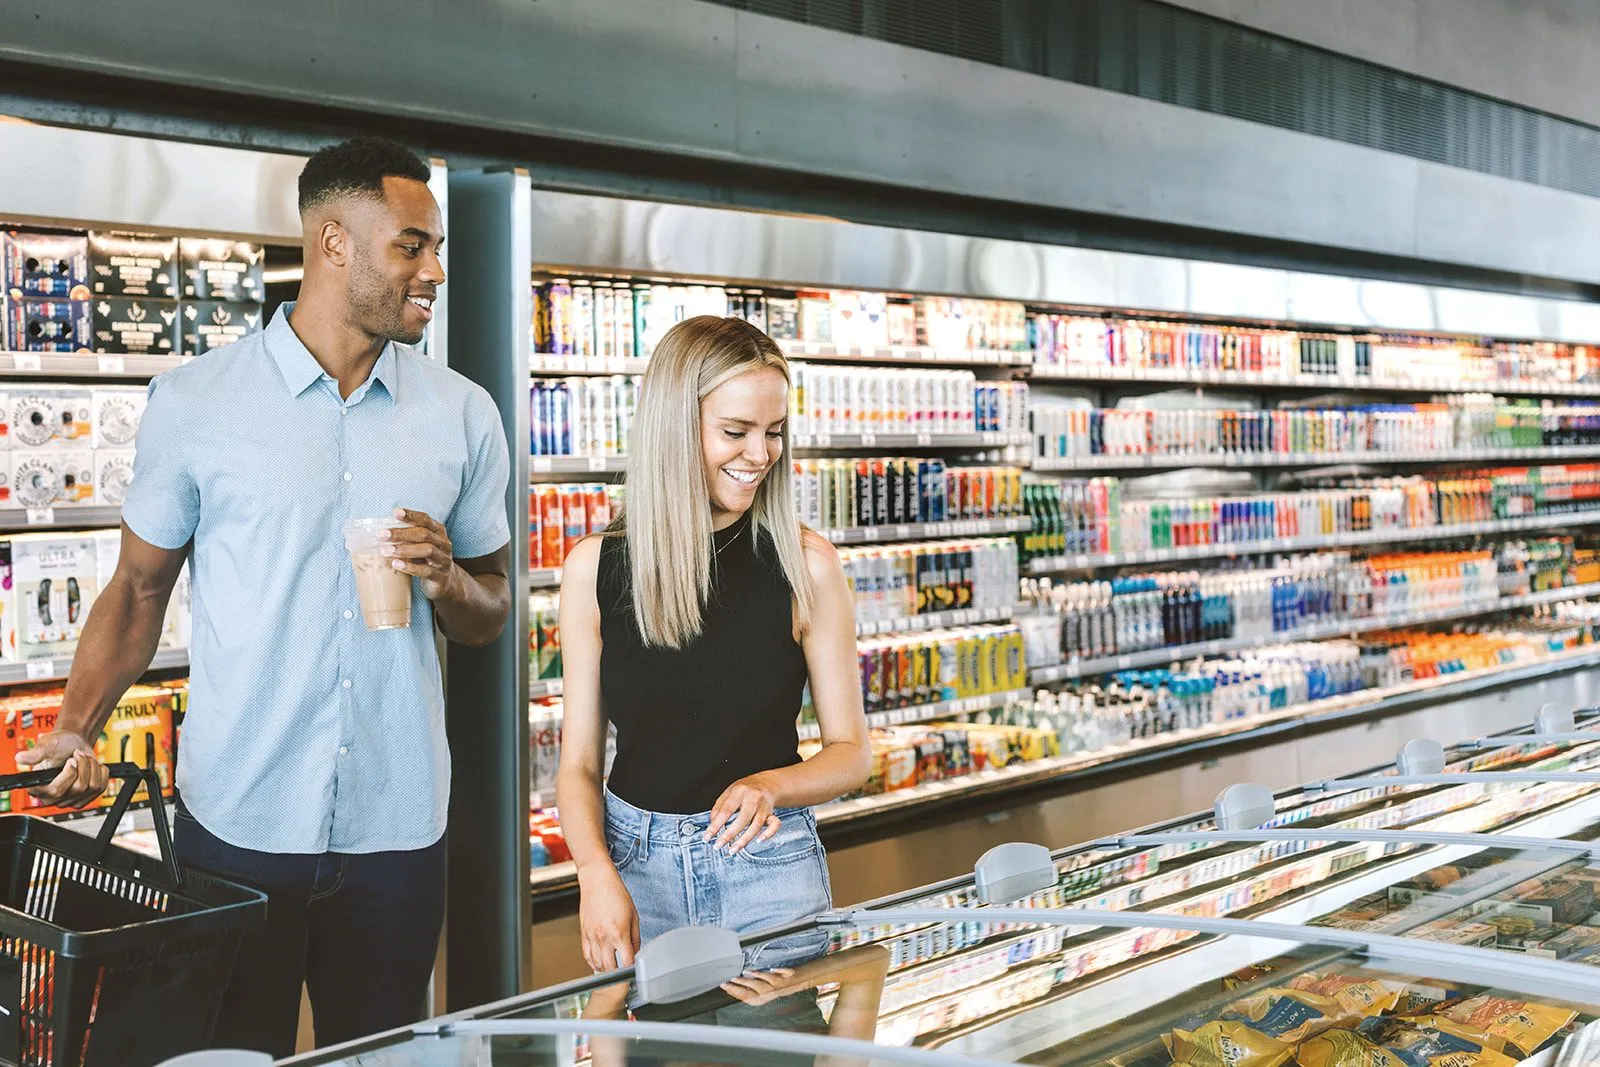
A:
(305, 732)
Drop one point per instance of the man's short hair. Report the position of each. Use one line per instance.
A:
(357, 167)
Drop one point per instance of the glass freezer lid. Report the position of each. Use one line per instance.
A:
(1046, 995)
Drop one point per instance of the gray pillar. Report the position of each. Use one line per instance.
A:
(488, 924)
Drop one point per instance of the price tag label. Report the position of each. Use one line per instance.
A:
(614, 364)
(813, 348)
(41, 668)
(113, 365)
(869, 440)
(1080, 561)
(898, 353)
(870, 533)
(1124, 662)
(902, 533)
(27, 361)
(41, 516)
(823, 440)
(542, 465)
(925, 440)
(597, 463)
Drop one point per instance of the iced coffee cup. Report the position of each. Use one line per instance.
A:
(385, 592)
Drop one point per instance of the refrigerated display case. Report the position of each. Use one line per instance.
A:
(1388, 917)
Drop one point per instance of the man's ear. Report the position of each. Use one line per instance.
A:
(333, 240)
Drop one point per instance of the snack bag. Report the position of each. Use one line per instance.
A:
(1523, 1024)
(1289, 1015)
(1355, 996)
(1227, 1043)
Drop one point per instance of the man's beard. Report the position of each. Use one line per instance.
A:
(377, 310)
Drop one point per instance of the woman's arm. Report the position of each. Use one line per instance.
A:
(744, 812)
(610, 925)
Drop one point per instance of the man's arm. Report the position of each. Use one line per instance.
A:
(119, 640)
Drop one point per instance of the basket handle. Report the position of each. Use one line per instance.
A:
(132, 774)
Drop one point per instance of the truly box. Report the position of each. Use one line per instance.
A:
(49, 326)
(51, 415)
(135, 326)
(47, 265)
(125, 264)
(115, 413)
(139, 731)
(209, 324)
(47, 479)
(55, 578)
(222, 270)
(25, 718)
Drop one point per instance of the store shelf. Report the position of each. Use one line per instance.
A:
(1365, 702)
(936, 620)
(1258, 461)
(905, 355)
(1093, 560)
(86, 365)
(55, 670)
(560, 877)
(879, 720)
(909, 440)
(549, 687)
(544, 578)
(577, 464)
(927, 531)
(1340, 383)
(66, 517)
(546, 365)
(1171, 653)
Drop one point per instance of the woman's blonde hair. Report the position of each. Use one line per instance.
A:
(667, 516)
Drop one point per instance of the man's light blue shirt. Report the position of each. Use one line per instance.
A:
(305, 732)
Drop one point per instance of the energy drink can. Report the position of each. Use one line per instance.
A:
(559, 315)
(605, 324)
(552, 522)
(538, 418)
(895, 484)
(574, 518)
(561, 419)
(582, 319)
(597, 507)
(930, 489)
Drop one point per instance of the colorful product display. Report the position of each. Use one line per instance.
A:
(835, 494)
(827, 399)
(582, 416)
(900, 581)
(559, 516)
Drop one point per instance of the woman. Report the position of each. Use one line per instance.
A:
(693, 625)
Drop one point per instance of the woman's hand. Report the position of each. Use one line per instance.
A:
(756, 988)
(743, 814)
(607, 918)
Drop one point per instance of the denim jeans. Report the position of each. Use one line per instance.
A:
(677, 879)
(360, 931)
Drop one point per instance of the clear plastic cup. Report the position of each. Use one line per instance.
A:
(385, 592)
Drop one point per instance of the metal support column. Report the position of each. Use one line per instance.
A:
(488, 954)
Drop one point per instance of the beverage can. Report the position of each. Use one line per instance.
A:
(552, 521)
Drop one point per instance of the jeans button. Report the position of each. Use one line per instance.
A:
(686, 829)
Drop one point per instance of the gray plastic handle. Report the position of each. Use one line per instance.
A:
(686, 962)
(1420, 755)
(1012, 871)
(1549, 720)
(1244, 806)
(1331, 785)
(221, 1057)
(1334, 835)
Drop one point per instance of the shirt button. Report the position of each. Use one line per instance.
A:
(349, 614)
(345, 683)
(348, 476)
(343, 412)
(344, 750)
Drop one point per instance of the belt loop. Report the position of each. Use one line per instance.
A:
(644, 835)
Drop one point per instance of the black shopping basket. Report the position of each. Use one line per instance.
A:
(109, 957)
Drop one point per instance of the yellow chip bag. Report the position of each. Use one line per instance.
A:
(1227, 1043)
(1344, 1048)
(1523, 1024)
(1433, 1046)
(1355, 996)
(1289, 1015)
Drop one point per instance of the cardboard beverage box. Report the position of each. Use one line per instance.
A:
(209, 324)
(223, 270)
(140, 732)
(46, 479)
(136, 326)
(50, 415)
(26, 717)
(49, 325)
(115, 412)
(56, 579)
(46, 265)
(124, 264)
(113, 473)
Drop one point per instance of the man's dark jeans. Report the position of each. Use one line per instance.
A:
(360, 931)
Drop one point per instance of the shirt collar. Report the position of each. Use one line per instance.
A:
(301, 370)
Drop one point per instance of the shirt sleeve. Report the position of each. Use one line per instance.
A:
(477, 524)
(163, 502)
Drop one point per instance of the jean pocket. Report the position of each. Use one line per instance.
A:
(622, 846)
(795, 840)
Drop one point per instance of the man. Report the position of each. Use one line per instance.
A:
(313, 762)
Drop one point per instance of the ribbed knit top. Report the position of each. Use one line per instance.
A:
(692, 721)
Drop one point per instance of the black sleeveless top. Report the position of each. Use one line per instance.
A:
(692, 721)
